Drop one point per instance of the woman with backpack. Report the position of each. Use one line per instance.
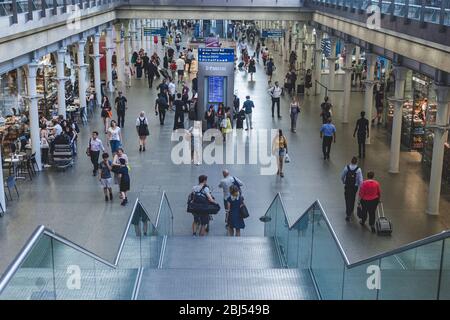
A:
(142, 130)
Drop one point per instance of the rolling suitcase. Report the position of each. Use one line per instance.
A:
(383, 224)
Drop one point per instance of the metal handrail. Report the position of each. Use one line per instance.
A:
(317, 205)
(42, 230)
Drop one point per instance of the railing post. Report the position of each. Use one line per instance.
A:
(43, 8)
(14, 11)
(30, 10)
(422, 13)
(55, 6)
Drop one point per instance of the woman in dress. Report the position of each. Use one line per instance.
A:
(114, 137)
(234, 220)
(252, 67)
(124, 184)
(142, 130)
(106, 113)
(294, 111)
(308, 81)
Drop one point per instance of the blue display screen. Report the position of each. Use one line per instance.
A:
(216, 89)
(215, 55)
(272, 33)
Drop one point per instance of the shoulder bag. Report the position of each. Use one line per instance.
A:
(88, 149)
(243, 211)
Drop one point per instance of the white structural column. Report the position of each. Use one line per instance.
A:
(300, 42)
(61, 79)
(34, 113)
(397, 101)
(133, 36)
(369, 83)
(82, 75)
(331, 64)
(138, 34)
(357, 53)
(440, 137)
(96, 58)
(109, 49)
(309, 48)
(19, 82)
(127, 39)
(120, 53)
(347, 80)
(318, 61)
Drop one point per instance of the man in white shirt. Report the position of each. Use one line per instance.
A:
(57, 129)
(172, 91)
(189, 58)
(95, 146)
(180, 68)
(275, 92)
(226, 183)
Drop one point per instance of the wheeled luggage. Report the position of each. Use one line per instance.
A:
(383, 224)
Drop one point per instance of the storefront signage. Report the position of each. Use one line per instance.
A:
(272, 33)
(215, 55)
(154, 32)
(418, 80)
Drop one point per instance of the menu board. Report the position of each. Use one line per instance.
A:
(216, 89)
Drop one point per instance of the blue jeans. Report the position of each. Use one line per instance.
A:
(115, 144)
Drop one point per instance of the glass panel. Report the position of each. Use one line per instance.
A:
(132, 253)
(444, 292)
(34, 279)
(269, 226)
(80, 277)
(413, 274)
(282, 230)
(414, 9)
(400, 8)
(327, 264)
(292, 247)
(355, 282)
(304, 226)
(385, 6)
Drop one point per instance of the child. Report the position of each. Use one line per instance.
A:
(105, 178)
(124, 181)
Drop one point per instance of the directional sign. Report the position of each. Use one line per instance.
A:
(154, 32)
(215, 54)
(272, 33)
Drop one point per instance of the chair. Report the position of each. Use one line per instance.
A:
(34, 162)
(26, 167)
(11, 183)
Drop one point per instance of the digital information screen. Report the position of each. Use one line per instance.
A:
(272, 33)
(216, 90)
(215, 54)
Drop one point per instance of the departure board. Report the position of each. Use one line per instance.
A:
(216, 89)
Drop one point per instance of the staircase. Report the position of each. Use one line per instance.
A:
(223, 268)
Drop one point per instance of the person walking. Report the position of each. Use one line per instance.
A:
(294, 111)
(105, 177)
(308, 81)
(275, 93)
(352, 178)
(279, 150)
(328, 135)
(151, 72)
(234, 220)
(142, 130)
(121, 107)
(270, 68)
(202, 219)
(114, 137)
(362, 128)
(124, 185)
(252, 67)
(172, 90)
(45, 145)
(248, 107)
(180, 68)
(225, 185)
(139, 66)
(178, 122)
(161, 106)
(128, 74)
(326, 110)
(189, 58)
(106, 113)
(94, 149)
(370, 195)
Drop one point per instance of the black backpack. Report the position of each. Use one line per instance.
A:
(350, 177)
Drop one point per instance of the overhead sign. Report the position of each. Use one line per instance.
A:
(154, 32)
(272, 33)
(215, 54)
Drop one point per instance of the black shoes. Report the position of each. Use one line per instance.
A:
(106, 198)
(372, 229)
(143, 148)
(124, 202)
(110, 196)
(140, 148)
(347, 219)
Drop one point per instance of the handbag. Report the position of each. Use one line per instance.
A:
(88, 149)
(243, 212)
(359, 210)
(109, 113)
(287, 159)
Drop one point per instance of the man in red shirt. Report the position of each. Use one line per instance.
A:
(370, 194)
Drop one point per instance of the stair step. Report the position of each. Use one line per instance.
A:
(220, 252)
(226, 284)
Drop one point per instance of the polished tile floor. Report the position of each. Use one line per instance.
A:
(72, 204)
